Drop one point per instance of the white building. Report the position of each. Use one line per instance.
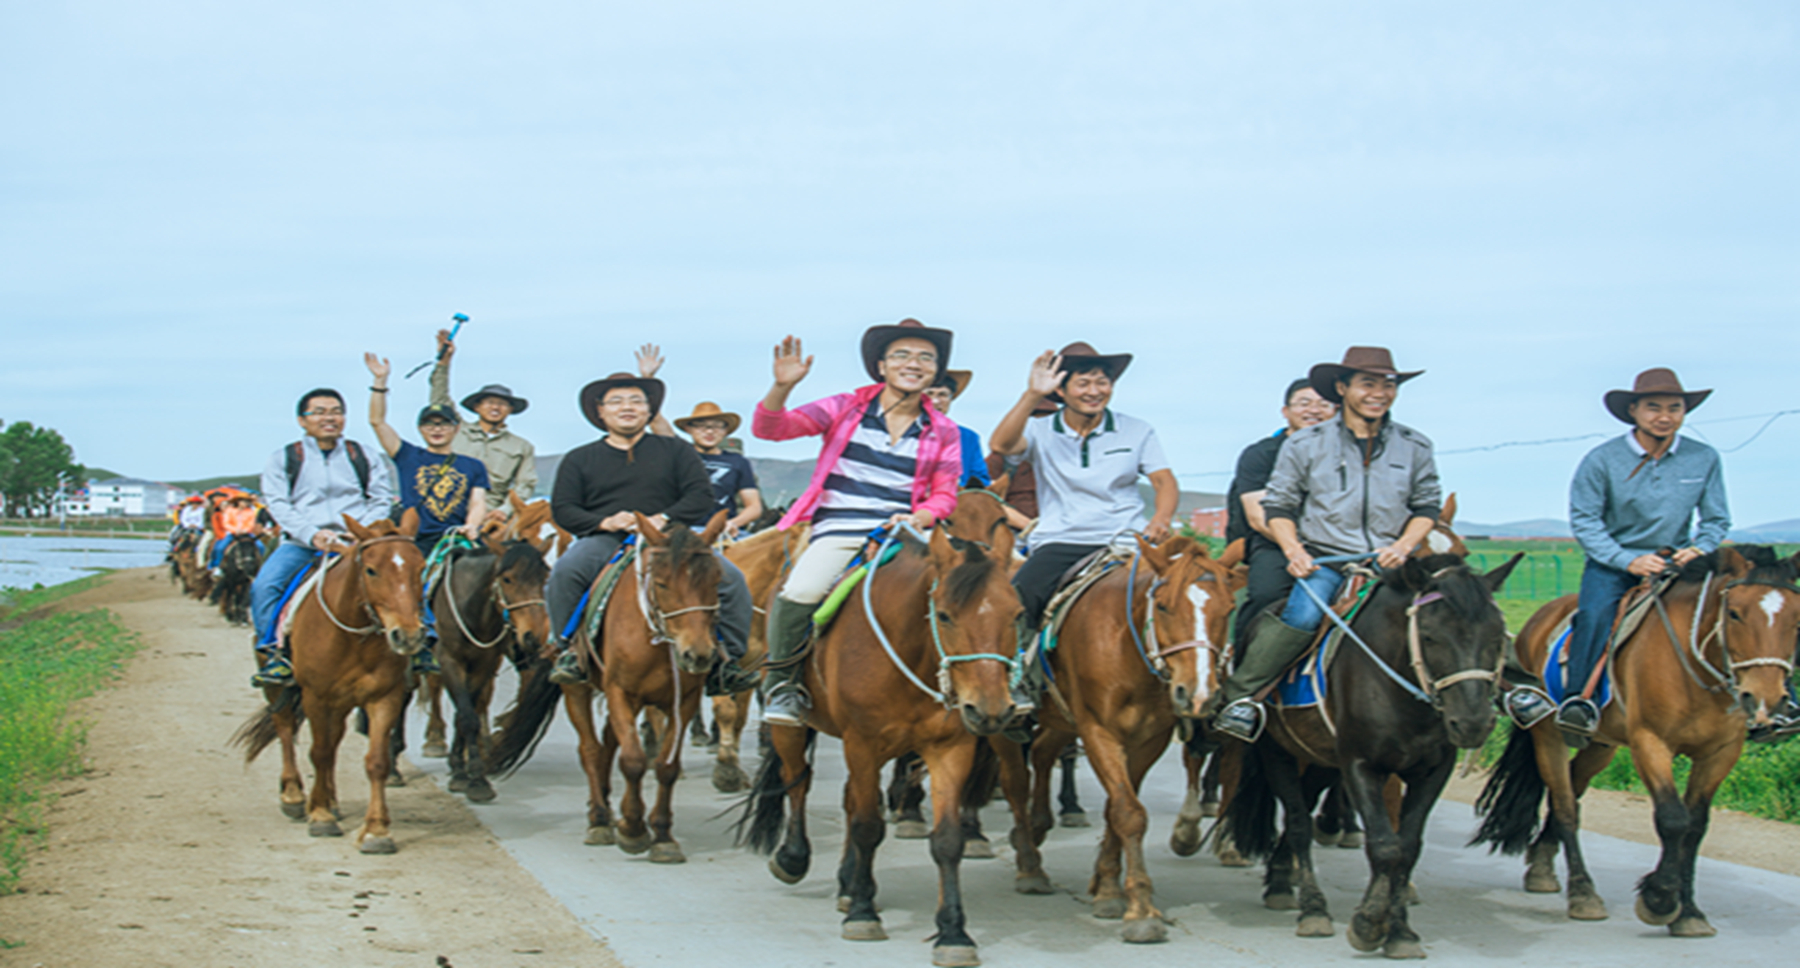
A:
(120, 497)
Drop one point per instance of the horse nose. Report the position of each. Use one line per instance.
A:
(1182, 696)
(982, 724)
(1752, 707)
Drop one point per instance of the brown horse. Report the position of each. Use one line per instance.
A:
(1138, 653)
(656, 647)
(918, 660)
(764, 558)
(352, 638)
(1717, 655)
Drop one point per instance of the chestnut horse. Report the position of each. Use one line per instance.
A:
(1717, 654)
(764, 558)
(656, 647)
(352, 638)
(1412, 685)
(1138, 652)
(918, 660)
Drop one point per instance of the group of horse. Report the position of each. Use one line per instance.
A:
(239, 562)
(920, 659)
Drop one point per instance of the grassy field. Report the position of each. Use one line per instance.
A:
(46, 663)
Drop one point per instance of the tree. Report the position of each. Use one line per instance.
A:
(34, 463)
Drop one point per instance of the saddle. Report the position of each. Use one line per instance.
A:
(1633, 609)
(448, 545)
(592, 607)
(1074, 582)
(296, 592)
(1303, 684)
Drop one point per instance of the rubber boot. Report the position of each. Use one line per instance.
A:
(784, 702)
(566, 670)
(1270, 652)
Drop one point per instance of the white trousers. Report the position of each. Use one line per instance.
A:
(818, 567)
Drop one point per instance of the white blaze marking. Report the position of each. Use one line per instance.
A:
(1438, 542)
(1771, 605)
(399, 562)
(546, 531)
(1199, 596)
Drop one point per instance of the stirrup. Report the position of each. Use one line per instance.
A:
(1241, 719)
(566, 670)
(1527, 706)
(1577, 718)
(786, 706)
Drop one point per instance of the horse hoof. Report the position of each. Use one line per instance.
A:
(843, 904)
(378, 845)
(1075, 819)
(395, 779)
(1281, 901)
(913, 830)
(635, 845)
(1403, 948)
(1363, 935)
(782, 874)
(1351, 840)
(480, 791)
(864, 931)
(1541, 882)
(1315, 926)
(1651, 917)
(955, 956)
(1692, 927)
(1184, 843)
(1109, 908)
(1209, 808)
(667, 852)
(327, 828)
(434, 749)
(977, 850)
(458, 784)
(601, 836)
(1033, 884)
(1229, 857)
(295, 810)
(728, 778)
(1589, 908)
(1144, 931)
(1325, 838)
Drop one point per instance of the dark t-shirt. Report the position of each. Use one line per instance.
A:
(661, 475)
(731, 473)
(438, 486)
(1254, 468)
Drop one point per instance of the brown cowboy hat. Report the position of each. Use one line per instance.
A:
(1357, 359)
(1082, 355)
(876, 339)
(593, 393)
(1652, 382)
(709, 410)
(957, 381)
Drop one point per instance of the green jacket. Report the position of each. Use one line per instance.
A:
(510, 459)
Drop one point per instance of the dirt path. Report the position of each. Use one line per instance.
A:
(169, 852)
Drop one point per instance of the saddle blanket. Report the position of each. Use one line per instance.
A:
(1555, 672)
(296, 593)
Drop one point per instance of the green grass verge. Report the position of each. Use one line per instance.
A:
(46, 664)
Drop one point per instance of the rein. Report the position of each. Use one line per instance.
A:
(944, 694)
(506, 608)
(355, 556)
(1695, 653)
(1155, 659)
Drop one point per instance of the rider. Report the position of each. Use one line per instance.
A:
(1268, 580)
(948, 387)
(601, 486)
(888, 457)
(510, 460)
(237, 519)
(1357, 484)
(1635, 494)
(733, 479)
(1087, 458)
(328, 481)
(449, 490)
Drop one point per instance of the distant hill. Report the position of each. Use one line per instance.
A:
(249, 482)
(1775, 532)
(1534, 528)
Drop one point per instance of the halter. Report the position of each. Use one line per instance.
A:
(944, 693)
(1695, 653)
(506, 608)
(1155, 659)
(355, 557)
(654, 616)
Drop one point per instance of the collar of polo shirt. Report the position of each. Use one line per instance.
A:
(1106, 427)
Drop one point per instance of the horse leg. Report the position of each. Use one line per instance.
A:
(433, 688)
(663, 847)
(863, 830)
(596, 762)
(293, 789)
(467, 774)
(1068, 806)
(1659, 892)
(327, 733)
(1143, 922)
(791, 859)
(906, 798)
(1708, 773)
(1015, 783)
(397, 738)
(1289, 881)
(1564, 780)
(729, 715)
(1421, 795)
(384, 717)
(1045, 748)
(1107, 756)
(1184, 840)
(1370, 927)
(1230, 760)
(634, 762)
(949, 767)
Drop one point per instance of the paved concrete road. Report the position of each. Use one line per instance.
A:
(724, 900)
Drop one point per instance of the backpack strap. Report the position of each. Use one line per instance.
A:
(296, 453)
(359, 462)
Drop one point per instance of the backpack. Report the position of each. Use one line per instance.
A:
(359, 462)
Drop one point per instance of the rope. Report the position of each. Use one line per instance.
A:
(1350, 634)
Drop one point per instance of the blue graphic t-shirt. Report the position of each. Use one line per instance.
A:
(731, 473)
(438, 486)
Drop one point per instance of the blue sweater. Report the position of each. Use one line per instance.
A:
(1617, 517)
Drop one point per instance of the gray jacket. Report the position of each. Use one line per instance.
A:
(1344, 506)
(326, 491)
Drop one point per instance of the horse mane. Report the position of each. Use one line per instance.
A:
(688, 554)
(1458, 584)
(1765, 565)
(528, 560)
(969, 577)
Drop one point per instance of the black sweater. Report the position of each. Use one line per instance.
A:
(664, 476)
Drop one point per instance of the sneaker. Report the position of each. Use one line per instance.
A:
(277, 672)
(1527, 706)
(424, 661)
(566, 670)
(1024, 703)
(727, 678)
(1577, 717)
(785, 708)
(1241, 720)
(217, 573)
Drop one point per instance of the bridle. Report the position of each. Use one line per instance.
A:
(1695, 653)
(1156, 658)
(507, 627)
(355, 557)
(945, 693)
(654, 616)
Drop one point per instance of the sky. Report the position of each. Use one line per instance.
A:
(207, 208)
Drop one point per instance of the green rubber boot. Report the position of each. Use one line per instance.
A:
(784, 702)
(1271, 650)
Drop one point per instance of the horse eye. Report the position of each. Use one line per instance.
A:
(1735, 617)
(369, 571)
(943, 616)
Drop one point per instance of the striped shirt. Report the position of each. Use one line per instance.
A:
(873, 478)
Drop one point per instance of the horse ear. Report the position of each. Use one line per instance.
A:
(1414, 575)
(409, 523)
(1447, 516)
(1233, 553)
(512, 498)
(1494, 579)
(648, 531)
(943, 553)
(1731, 562)
(492, 544)
(1001, 484)
(1156, 555)
(714, 528)
(1238, 577)
(356, 528)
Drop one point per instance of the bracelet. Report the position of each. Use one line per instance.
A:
(378, 389)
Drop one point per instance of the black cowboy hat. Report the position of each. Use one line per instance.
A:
(1357, 359)
(1081, 355)
(593, 393)
(500, 390)
(1658, 381)
(876, 339)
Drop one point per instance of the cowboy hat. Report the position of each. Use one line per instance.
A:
(1357, 359)
(1656, 381)
(956, 380)
(876, 339)
(709, 410)
(500, 390)
(593, 393)
(1080, 355)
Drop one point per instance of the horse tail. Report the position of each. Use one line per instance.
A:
(1250, 819)
(258, 732)
(984, 776)
(765, 808)
(522, 726)
(1510, 802)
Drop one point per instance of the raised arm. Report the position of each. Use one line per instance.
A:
(440, 373)
(649, 361)
(791, 366)
(1046, 376)
(378, 393)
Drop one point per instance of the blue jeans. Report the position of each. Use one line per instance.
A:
(1601, 589)
(278, 572)
(1301, 611)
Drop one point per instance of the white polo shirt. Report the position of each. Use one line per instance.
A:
(1087, 486)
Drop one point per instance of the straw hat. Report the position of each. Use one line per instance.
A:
(708, 410)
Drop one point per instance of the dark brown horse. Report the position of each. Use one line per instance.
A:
(1138, 652)
(238, 565)
(1716, 656)
(1412, 687)
(946, 610)
(352, 637)
(656, 647)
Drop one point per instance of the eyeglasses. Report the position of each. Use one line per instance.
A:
(706, 425)
(625, 402)
(323, 413)
(907, 356)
